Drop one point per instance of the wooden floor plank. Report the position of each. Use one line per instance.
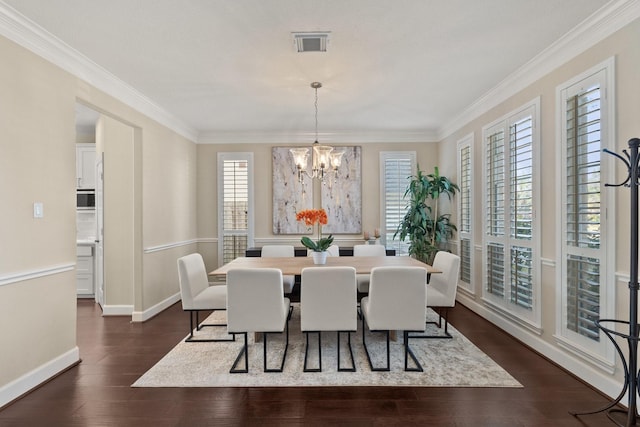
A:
(115, 352)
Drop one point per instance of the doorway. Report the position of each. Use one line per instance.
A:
(99, 279)
(116, 219)
(89, 266)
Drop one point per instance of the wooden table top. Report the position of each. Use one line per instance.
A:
(294, 265)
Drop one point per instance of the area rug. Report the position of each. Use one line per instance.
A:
(452, 362)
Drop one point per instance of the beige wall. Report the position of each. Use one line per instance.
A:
(156, 171)
(624, 46)
(37, 164)
(169, 218)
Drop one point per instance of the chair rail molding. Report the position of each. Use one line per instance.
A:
(172, 245)
(547, 262)
(35, 273)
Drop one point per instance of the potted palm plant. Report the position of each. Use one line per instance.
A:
(427, 229)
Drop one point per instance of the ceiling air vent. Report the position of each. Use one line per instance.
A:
(311, 42)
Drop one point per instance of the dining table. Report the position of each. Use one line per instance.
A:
(294, 265)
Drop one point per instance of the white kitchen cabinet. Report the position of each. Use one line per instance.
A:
(86, 166)
(85, 271)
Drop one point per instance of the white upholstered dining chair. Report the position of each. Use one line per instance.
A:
(328, 301)
(255, 303)
(396, 301)
(367, 250)
(198, 296)
(281, 251)
(442, 289)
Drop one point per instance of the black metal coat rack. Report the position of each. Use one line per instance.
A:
(630, 365)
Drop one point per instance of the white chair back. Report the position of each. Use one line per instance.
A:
(369, 250)
(281, 251)
(328, 299)
(193, 278)
(446, 282)
(333, 250)
(254, 300)
(277, 251)
(397, 299)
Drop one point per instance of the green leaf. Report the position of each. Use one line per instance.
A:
(309, 244)
(320, 246)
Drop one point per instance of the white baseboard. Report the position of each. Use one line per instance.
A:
(604, 382)
(142, 316)
(30, 380)
(117, 310)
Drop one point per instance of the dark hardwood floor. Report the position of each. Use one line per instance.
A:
(115, 352)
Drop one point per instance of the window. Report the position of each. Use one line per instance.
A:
(465, 211)
(397, 167)
(235, 205)
(586, 279)
(511, 242)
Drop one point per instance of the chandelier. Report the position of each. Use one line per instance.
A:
(325, 160)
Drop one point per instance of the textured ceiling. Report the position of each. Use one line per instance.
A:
(230, 67)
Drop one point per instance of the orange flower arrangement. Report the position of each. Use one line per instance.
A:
(312, 217)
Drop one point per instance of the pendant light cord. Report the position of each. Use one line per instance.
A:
(316, 105)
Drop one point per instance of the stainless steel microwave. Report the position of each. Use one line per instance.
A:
(86, 199)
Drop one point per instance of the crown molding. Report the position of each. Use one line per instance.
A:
(31, 36)
(601, 24)
(351, 137)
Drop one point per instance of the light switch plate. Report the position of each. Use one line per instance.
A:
(38, 210)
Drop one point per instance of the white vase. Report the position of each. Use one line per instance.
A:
(319, 258)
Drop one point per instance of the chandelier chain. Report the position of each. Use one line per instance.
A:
(316, 105)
